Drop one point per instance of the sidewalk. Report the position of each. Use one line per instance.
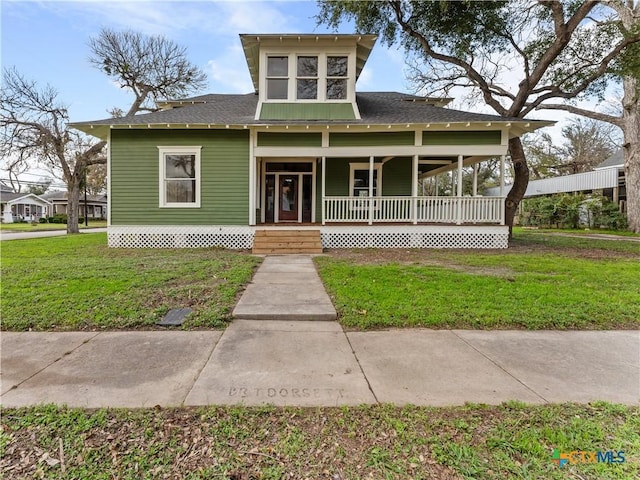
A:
(21, 235)
(281, 355)
(317, 363)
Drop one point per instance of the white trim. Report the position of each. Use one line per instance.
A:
(414, 189)
(252, 181)
(390, 150)
(324, 187)
(365, 166)
(180, 150)
(109, 195)
(301, 175)
(292, 75)
(501, 192)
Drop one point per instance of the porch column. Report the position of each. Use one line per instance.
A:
(475, 180)
(252, 182)
(371, 190)
(502, 213)
(502, 175)
(414, 190)
(324, 177)
(437, 187)
(459, 192)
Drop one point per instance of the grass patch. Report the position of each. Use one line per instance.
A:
(46, 227)
(541, 282)
(381, 441)
(77, 283)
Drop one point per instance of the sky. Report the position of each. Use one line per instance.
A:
(47, 41)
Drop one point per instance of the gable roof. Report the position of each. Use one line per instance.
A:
(238, 111)
(14, 197)
(615, 160)
(61, 196)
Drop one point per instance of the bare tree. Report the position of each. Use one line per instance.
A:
(34, 123)
(97, 179)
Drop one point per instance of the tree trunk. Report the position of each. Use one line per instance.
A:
(73, 203)
(520, 181)
(631, 150)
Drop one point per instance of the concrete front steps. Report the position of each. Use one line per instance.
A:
(283, 242)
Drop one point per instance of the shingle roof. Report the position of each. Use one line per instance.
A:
(615, 160)
(229, 109)
(62, 196)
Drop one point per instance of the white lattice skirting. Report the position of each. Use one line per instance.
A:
(374, 236)
(417, 236)
(158, 236)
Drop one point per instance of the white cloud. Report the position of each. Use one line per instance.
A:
(229, 72)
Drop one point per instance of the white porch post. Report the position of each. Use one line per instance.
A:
(371, 190)
(502, 175)
(459, 192)
(324, 177)
(502, 213)
(252, 182)
(414, 190)
(437, 186)
(475, 180)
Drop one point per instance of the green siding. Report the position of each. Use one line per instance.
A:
(396, 177)
(462, 138)
(375, 139)
(269, 139)
(307, 111)
(135, 177)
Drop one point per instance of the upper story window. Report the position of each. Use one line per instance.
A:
(337, 72)
(277, 78)
(307, 78)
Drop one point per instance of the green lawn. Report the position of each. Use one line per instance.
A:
(45, 227)
(77, 283)
(476, 442)
(541, 282)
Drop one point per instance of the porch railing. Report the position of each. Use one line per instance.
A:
(414, 209)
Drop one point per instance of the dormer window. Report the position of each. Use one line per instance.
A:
(277, 78)
(307, 78)
(337, 73)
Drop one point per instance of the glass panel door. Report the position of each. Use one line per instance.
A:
(270, 194)
(288, 201)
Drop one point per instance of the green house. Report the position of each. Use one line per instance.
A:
(305, 151)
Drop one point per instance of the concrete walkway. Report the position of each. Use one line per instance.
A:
(285, 287)
(316, 363)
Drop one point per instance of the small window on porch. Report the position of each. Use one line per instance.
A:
(359, 181)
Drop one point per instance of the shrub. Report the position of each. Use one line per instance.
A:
(60, 218)
(42, 220)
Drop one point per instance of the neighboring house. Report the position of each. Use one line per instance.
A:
(96, 204)
(607, 179)
(23, 207)
(305, 151)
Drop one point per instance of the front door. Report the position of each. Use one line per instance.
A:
(288, 198)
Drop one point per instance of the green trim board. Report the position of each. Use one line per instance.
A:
(307, 111)
(135, 177)
(281, 139)
(373, 139)
(489, 137)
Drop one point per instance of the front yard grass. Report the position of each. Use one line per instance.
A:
(45, 227)
(76, 282)
(381, 441)
(540, 282)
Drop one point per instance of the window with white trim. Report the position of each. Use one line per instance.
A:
(337, 74)
(179, 177)
(277, 77)
(359, 179)
(307, 77)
